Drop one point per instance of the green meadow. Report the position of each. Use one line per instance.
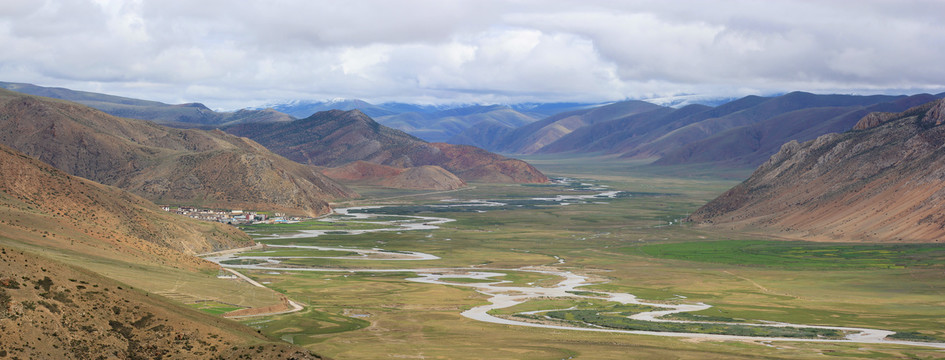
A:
(633, 244)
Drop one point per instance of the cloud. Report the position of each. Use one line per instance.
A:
(235, 54)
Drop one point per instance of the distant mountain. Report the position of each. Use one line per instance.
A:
(543, 110)
(740, 134)
(533, 137)
(751, 145)
(881, 181)
(437, 123)
(304, 109)
(166, 165)
(183, 115)
(335, 138)
(441, 126)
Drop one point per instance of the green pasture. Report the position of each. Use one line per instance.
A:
(630, 244)
(214, 307)
(801, 255)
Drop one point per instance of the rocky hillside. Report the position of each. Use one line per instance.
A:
(335, 138)
(185, 115)
(52, 311)
(165, 165)
(47, 208)
(882, 181)
(417, 178)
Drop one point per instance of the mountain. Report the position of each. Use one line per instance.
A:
(441, 126)
(751, 145)
(98, 220)
(335, 138)
(485, 134)
(303, 108)
(430, 123)
(183, 115)
(165, 165)
(428, 177)
(532, 137)
(543, 110)
(739, 134)
(881, 181)
(49, 310)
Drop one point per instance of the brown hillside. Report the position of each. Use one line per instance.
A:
(335, 138)
(881, 183)
(52, 311)
(93, 219)
(428, 177)
(475, 164)
(208, 168)
(361, 171)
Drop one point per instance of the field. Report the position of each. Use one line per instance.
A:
(632, 244)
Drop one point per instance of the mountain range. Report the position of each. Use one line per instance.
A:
(181, 115)
(884, 180)
(741, 133)
(436, 123)
(166, 165)
(335, 138)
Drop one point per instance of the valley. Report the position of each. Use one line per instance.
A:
(466, 179)
(466, 270)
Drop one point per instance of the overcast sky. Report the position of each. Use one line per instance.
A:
(232, 54)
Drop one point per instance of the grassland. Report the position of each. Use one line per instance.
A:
(311, 224)
(802, 255)
(627, 245)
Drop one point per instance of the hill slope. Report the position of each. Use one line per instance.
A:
(52, 311)
(97, 220)
(417, 178)
(881, 182)
(166, 165)
(335, 138)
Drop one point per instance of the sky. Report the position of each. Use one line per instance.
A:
(234, 54)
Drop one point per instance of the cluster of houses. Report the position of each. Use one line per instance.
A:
(232, 217)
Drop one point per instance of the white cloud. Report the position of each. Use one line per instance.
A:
(234, 54)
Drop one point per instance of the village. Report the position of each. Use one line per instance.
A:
(232, 217)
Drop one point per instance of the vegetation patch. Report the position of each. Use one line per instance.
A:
(594, 317)
(800, 254)
(705, 318)
(214, 307)
(915, 336)
(302, 328)
(243, 262)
